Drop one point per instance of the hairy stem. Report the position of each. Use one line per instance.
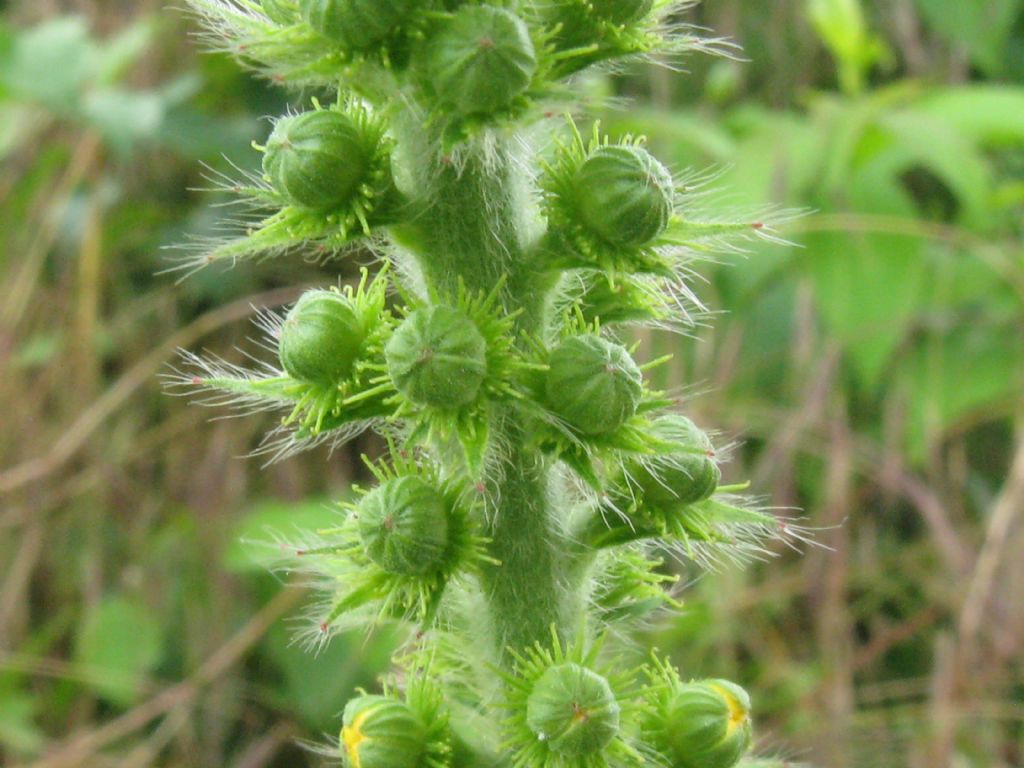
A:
(477, 224)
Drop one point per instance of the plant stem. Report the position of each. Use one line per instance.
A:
(477, 223)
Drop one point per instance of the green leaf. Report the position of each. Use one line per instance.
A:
(919, 139)
(256, 543)
(317, 685)
(119, 642)
(50, 64)
(116, 55)
(18, 730)
(19, 123)
(124, 118)
(842, 27)
(974, 370)
(868, 287)
(981, 28)
(986, 114)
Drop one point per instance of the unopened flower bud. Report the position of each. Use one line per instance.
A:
(381, 732)
(707, 725)
(356, 24)
(437, 357)
(573, 709)
(320, 338)
(593, 384)
(683, 477)
(624, 196)
(317, 159)
(482, 60)
(403, 524)
(621, 11)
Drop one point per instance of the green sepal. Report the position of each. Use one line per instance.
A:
(321, 338)
(319, 159)
(318, 410)
(381, 732)
(702, 723)
(442, 411)
(357, 25)
(573, 709)
(592, 384)
(292, 186)
(480, 60)
(386, 574)
(534, 667)
(590, 229)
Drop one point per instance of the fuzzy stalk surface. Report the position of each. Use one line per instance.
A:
(476, 222)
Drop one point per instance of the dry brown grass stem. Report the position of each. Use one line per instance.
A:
(77, 750)
(79, 432)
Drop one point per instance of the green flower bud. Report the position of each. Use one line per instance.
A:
(707, 725)
(317, 159)
(621, 11)
(321, 338)
(381, 732)
(356, 24)
(573, 709)
(277, 11)
(481, 60)
(404, 526)
(593, 384)
(437, 357)
(624, 196)
(680, 478)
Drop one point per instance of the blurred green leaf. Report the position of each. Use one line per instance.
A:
(919, 140)
(18, 730)
(18, 124)
(974, 368)
(986, 114)
(982, 28)
(256, 543)
(116, 55)
(318, 683)
(37, 350)
(868, 288)
(119, 641)
(842, 27)
(50, 64)
(124, 117)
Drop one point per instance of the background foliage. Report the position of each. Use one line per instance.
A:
(870, 374)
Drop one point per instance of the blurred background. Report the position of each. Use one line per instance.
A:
(870, 375)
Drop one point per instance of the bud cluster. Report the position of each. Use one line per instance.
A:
(532, 472)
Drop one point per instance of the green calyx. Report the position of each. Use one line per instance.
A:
(356, 24)
(318, 159)
(706, 724)
(573, 710)
(681, 475)
(321, 338)
(382, 732)
(481, 60)
(403, 524)
(624, 196)
(437, 357)
(609, 207)
(593, 384)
